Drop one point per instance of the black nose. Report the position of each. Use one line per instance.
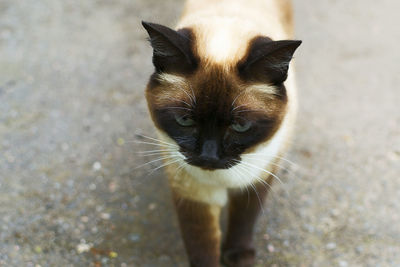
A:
(209, 151)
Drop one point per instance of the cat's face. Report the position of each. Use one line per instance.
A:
(215, 113)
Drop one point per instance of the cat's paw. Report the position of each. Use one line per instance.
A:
(238, 257)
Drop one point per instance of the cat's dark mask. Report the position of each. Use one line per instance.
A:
(216, 112)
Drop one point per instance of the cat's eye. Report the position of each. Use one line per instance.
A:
(241, 127)
(184, 120)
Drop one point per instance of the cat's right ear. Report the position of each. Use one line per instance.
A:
(172, 50)
(268, 61)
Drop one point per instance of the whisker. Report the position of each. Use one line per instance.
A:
(155, 139)
(194, 96)
(165, 164)
(190, 109)
(155, 160)
(234, 100)
(249, 110)
(268, 172)
(179, 100)
(284, 159)
(263, 170)
(137, 183)
(149, 143)
(190, 97)
(259, 200)
(157, 153)
(257, 178)
(261, 181)
(240, 169)
(152, 151)
(267, 161)
(235, 108)
(278, 157)
(180, 168)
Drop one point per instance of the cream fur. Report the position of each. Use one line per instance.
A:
(167, 78)
(223, 30)
(264, 88)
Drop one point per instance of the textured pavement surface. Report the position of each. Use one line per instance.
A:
(72, 76)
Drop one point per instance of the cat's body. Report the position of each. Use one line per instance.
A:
(225, 110)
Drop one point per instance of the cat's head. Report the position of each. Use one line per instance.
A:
(216, 111)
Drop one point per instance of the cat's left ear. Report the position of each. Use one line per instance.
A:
(172, 50)
(268, 61)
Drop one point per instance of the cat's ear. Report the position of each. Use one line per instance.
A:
(172, 50)
(267, 61)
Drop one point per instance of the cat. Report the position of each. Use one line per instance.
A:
(223, 100)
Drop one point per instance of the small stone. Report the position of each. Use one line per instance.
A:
(309, 228)
(112, 186)
(82, 247)
(85, 219)
(105, 216)
(134, 237)
(120, 141)
(152, 206)
(106, 117)
(335, 212)
(38, 249)
(70, 183)
(96, 166)
(64, 147)
(10, 158)
(92, 187)
(113, 254)
(271, 248)
(343, 263)
(331, 246)
(348, 139)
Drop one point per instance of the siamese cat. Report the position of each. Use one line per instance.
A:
(223, 100)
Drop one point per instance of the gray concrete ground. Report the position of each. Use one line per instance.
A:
(72, 75)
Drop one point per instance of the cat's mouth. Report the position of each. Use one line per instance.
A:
(211, 163)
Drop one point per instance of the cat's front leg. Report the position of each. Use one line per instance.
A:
(199, 224)
(244, 208)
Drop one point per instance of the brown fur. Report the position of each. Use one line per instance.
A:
(244, 209)
(199, 225)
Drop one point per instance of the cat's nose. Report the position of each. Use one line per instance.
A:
(209, 150)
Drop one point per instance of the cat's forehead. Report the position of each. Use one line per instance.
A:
(225, 43)
(214, 86)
